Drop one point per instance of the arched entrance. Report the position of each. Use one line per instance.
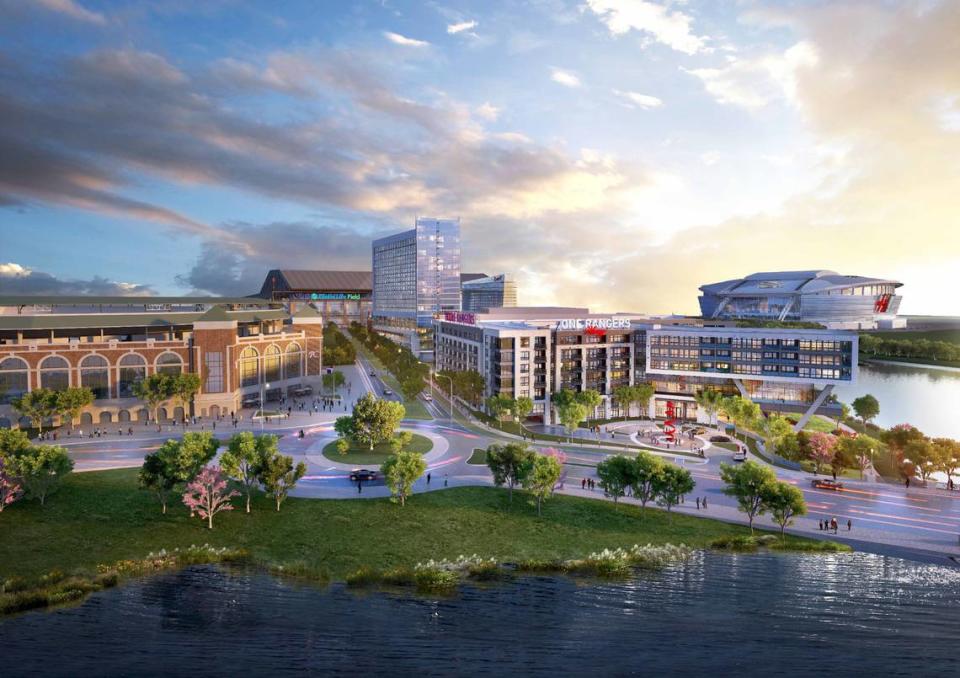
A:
(123, 416)
(106, 418)
(86, 419)
(162, 414)
(178, 414)
(143, 415)
(215, 411)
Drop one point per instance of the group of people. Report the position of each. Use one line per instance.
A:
(832, 524)
(587, 484)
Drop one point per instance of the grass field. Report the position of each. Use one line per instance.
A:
(818, 423)
(361, 454)
(478, 458)
(101, 517)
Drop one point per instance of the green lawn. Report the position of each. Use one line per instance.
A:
(818, 423)
(733, 447)
(478, 458)
(362, 454)
(101, 517)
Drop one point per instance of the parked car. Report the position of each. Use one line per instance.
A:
(372, 373)
(361, 474)
(387, 392)
(826, 484)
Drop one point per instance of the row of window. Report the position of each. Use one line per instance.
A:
(276, 365)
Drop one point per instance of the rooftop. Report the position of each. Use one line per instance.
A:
(322, 281)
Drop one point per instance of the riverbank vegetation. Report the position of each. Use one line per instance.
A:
(102, 518)
(913, 347)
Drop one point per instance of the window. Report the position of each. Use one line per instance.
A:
(249, 372)
(291, 362)
(524, 355)
(13, 378)
(133, 368)
(55, 373)
(94, 374)
(214, 362)
(271, 364)
(169, 363)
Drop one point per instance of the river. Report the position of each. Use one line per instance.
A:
(717, 614)
(927, 397)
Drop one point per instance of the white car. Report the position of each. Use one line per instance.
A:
(428, 397)
(740, 455)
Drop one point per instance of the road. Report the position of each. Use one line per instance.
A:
(916, 519)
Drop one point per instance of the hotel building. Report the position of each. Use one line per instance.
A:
(536, 352)
(237, 346)
(485, 292)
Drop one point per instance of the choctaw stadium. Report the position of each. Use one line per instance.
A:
(825, 297)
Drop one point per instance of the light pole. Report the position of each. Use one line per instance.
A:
(263, 385)
(447, 376)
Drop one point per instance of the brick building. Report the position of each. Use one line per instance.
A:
(239, 347)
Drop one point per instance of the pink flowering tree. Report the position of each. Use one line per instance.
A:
(10, 489)
(822, 448)
(206, 494)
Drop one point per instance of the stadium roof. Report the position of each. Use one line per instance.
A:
(325, 281)
(93, 321)
(791, 283)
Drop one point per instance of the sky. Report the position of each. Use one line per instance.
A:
(614, 154)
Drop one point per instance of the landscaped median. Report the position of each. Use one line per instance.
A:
(359, 453)
(100, 523)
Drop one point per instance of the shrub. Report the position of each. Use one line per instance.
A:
(364, 576)
(544, 566)
(300, 570)
(400, 576)
(434, 580)
(739, 543)
(812, 547)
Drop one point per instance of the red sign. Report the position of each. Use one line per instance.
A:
(460, 317)
(596, 331)
(882, 303)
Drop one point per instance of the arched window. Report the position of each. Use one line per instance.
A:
(292, 362)
(249, 372)
(271, 364)
(94, 374)
(133, 368)
(54, 373)
(13, 378)
(169, 363)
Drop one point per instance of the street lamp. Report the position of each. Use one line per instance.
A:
(262, 396)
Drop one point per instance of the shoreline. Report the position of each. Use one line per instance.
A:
(906, 363)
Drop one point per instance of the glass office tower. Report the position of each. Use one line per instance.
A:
(416, 274)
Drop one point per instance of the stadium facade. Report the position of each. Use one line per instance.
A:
(825, 297)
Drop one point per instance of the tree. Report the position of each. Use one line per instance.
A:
(746, 483)
(742, 412)
(412, 385)
(947, 456)
(375, 420)
(343, 446)
(671, 484)
(774, 428)
(38, 405)
(471, 385)
(616, 474)
(591, 399)
(244, 458)
(154, 390)
(40, 469)
(71, 401)
(205, 494)
(522, 407)
(572, 415)
(497, 405)
(10, 488)
(185, 386)
(920, 453)
(158, 474)
(647, 469)
(400, 471)
(333, 380)
(12, 442)
(344, 426)
(543, 477)
(709, 400)
(624, 395)
(785, 502)
(510, 464)
(822, 446)
(867, 407)
(843, 414)
(278, 476)
(897, 438)
(194, 451)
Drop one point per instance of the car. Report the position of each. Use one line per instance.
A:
(740, 455)
(251, 400)
(826, 484)
(428, 397)
(387, 392)
(372, 373)
(361, 474)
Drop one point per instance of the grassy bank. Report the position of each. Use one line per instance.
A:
(362, 454)
(101, 517)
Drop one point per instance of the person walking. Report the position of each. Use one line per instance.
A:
(820, 525)
(849, 525)
(704, 502)
(428, 479)
(698, 503)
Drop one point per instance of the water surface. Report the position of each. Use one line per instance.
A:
(852, 614)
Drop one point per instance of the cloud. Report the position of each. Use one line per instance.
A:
(403, 40)
(565, 78)
(72, 9)
(488, 111)
(671, 28)
(635, 99)
(453, 29)
(16, 279)
(754, 82)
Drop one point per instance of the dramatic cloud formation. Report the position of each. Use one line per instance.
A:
(17, 279)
